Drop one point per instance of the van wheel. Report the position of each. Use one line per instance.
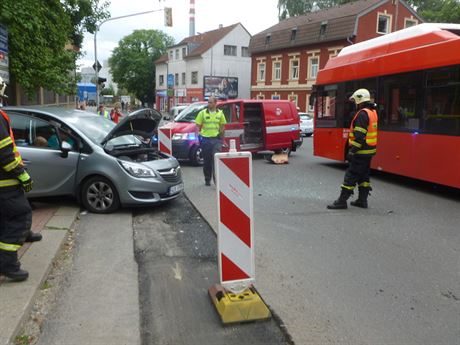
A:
(98, 195)
(196, 156)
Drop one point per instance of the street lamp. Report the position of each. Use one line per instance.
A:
(168, 22)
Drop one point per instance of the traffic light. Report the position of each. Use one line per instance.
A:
(101, 82)
(168, 16)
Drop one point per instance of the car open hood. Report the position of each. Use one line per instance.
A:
(142, 122)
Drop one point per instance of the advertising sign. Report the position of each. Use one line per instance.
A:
(170, 80)
(4, 71)
(221, 87)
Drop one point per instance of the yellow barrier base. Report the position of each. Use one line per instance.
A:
(243, 307)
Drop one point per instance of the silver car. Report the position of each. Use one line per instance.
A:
(306, 124)
(104, 165)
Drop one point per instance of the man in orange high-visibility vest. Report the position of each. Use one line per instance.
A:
(362, 141)
(15, 211)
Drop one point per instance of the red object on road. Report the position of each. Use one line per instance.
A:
(164, 140)
(235, 212)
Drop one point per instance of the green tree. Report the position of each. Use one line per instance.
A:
(437, 11)
(294, 8)
(132, 62)
(84, 16)
(38, 32)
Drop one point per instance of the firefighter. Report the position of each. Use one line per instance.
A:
(210, 122)
(15, 210)
(362, 142)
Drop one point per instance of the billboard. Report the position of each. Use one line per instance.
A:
(4, 71)
(221, 87)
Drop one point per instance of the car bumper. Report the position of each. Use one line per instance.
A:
(306, 130)
(135, 191)
(181, 148)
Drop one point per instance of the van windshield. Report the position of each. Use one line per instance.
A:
(189, 114)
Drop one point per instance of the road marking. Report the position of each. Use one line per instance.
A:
(177, 272)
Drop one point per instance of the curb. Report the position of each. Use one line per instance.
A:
(17, 299)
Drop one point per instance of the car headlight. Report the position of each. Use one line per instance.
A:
(184, 136)
(137, 170)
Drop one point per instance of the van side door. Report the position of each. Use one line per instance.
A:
(280, 122)
(233, 128)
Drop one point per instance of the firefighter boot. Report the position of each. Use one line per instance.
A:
(341, 202)
(33, 237)
(10, 266)
(362, 198)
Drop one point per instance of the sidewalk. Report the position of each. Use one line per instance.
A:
(16, 299)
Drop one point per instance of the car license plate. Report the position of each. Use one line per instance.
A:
(176, 189)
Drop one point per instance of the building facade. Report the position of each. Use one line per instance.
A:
(287, 57)
(204, 64)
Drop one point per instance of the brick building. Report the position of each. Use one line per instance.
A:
(287, 56)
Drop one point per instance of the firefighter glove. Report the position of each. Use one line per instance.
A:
(350, 156)
(26, 182)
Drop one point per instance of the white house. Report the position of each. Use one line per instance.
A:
(215, 62)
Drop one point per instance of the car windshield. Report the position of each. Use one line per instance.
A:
(189, 114)
(306, 117)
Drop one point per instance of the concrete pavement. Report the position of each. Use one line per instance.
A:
(16, 299)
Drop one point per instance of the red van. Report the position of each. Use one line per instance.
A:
(255, 125)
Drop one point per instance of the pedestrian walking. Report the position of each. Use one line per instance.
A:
(210, 122)
(362, 140)
(103, 112)
(115, 114)
(15, 210)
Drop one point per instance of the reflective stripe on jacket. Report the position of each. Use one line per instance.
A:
(369, 147)
(11, 166)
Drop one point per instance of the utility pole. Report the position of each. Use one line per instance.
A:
(167, 10)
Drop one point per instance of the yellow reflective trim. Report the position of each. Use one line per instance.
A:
(354, 143)
(371, 141)
(348, 187)
(5, 142)
(366, 152)
(9, 247)
(13, 164)
(24, 176)
(365, 184)
(371, 135)
(361, 129)
(9, 182)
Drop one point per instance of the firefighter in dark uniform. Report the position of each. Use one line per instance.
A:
(15, 211)
(362, 142)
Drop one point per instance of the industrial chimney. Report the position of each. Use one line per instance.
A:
(192, 18)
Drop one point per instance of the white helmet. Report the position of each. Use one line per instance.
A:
(2, 87)
(361, 96)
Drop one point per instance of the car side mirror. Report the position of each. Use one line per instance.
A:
(65, 149)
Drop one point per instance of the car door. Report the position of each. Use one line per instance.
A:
(39, 143)
(233, 128)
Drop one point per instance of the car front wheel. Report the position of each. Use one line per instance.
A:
(196, 156)
(99, 195)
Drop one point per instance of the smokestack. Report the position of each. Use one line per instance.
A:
(192, 18)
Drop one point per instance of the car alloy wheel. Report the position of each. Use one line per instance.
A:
(99, 195)
(196, 155)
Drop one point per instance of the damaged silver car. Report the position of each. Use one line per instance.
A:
(104, 165)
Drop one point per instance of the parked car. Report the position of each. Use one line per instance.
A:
(306, 124)
(73, 152)
(185, 142)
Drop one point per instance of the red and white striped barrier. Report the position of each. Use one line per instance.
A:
(235, 212)
(165, 139)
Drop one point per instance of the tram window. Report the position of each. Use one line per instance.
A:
(401, 95)
(442, 102)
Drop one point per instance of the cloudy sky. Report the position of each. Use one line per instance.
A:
(255, 15)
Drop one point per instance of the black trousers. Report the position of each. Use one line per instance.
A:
(209, 147)
(358, 172)
(15, 217)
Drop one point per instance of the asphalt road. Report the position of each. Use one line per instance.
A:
(386, 275)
